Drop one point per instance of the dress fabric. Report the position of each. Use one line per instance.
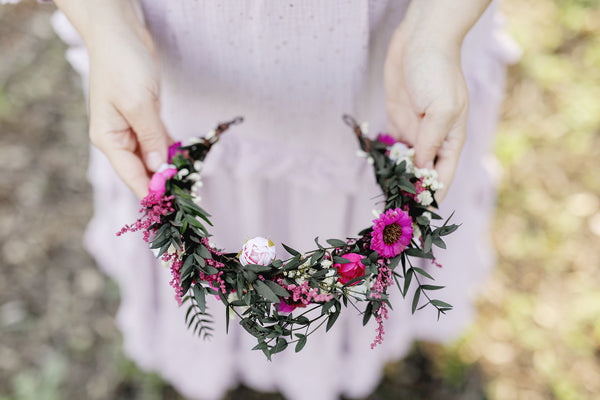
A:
(290, 173)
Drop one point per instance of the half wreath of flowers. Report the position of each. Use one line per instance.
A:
(283, 301)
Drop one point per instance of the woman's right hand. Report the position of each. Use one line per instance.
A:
(124, 98)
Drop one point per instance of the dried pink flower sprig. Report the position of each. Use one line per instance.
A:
(283, 301)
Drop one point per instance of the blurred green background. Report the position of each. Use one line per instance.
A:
(537, 335)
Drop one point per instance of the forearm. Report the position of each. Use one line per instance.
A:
(97, 21)
(445, 20)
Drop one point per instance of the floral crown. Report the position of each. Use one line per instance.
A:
(283, 301)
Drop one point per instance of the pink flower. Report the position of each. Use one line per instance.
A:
(287, 308)
(386, 139)
(174, 150)
(352, 270)
(159, 179)
(259, 251)
(392, 233)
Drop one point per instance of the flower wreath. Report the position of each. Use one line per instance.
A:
(281, 302)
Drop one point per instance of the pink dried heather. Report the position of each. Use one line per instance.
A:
(381, 314)
(304, 295)
(176, 281)
(383, 280)
(153, 208)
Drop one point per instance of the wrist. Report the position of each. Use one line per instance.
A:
(445, 22)
(101, 22)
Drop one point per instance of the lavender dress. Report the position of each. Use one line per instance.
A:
(290, 173)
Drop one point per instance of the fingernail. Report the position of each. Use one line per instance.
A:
(153, 161)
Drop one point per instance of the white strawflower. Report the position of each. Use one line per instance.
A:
(198, 165)
(326, 263)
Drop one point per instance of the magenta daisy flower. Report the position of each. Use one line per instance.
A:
(392, 233)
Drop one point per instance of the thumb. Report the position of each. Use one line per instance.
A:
(151, 134)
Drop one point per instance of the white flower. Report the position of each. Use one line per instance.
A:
(364, 127)
(427, 215)
(435, 186)
(195, 140)
(211, 134)
(359, 291)
(398, 151)
(416, 231)
(182, 173)
(409, 164)
(362, 154)
(326, 263)
(198, 165)
(330, 278)
(425, 198)
(194, 177)
(259, 251)
(232, 297)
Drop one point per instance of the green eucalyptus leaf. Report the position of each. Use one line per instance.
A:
(336, 242)
(414, 252)
(200, 297)
(431, 287)
(277, 289)
(300, 344)
(331, 320)
(439, 303)
(265, 291)
(407, 279)
(258, 268)
(422, 272)
(203, 252)
(290, 250)
(340, 260)
(439, 242)
(415, 301)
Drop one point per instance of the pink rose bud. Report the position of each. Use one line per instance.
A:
(174, 149)
(351, 270)
(386, 139)
(259, 251)
(285, 307)
(159, 179)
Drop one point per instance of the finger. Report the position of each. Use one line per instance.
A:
(402, 123)
(151, 133)
(433, 129)
(448, 157)
(120, 147)
(131, 170)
